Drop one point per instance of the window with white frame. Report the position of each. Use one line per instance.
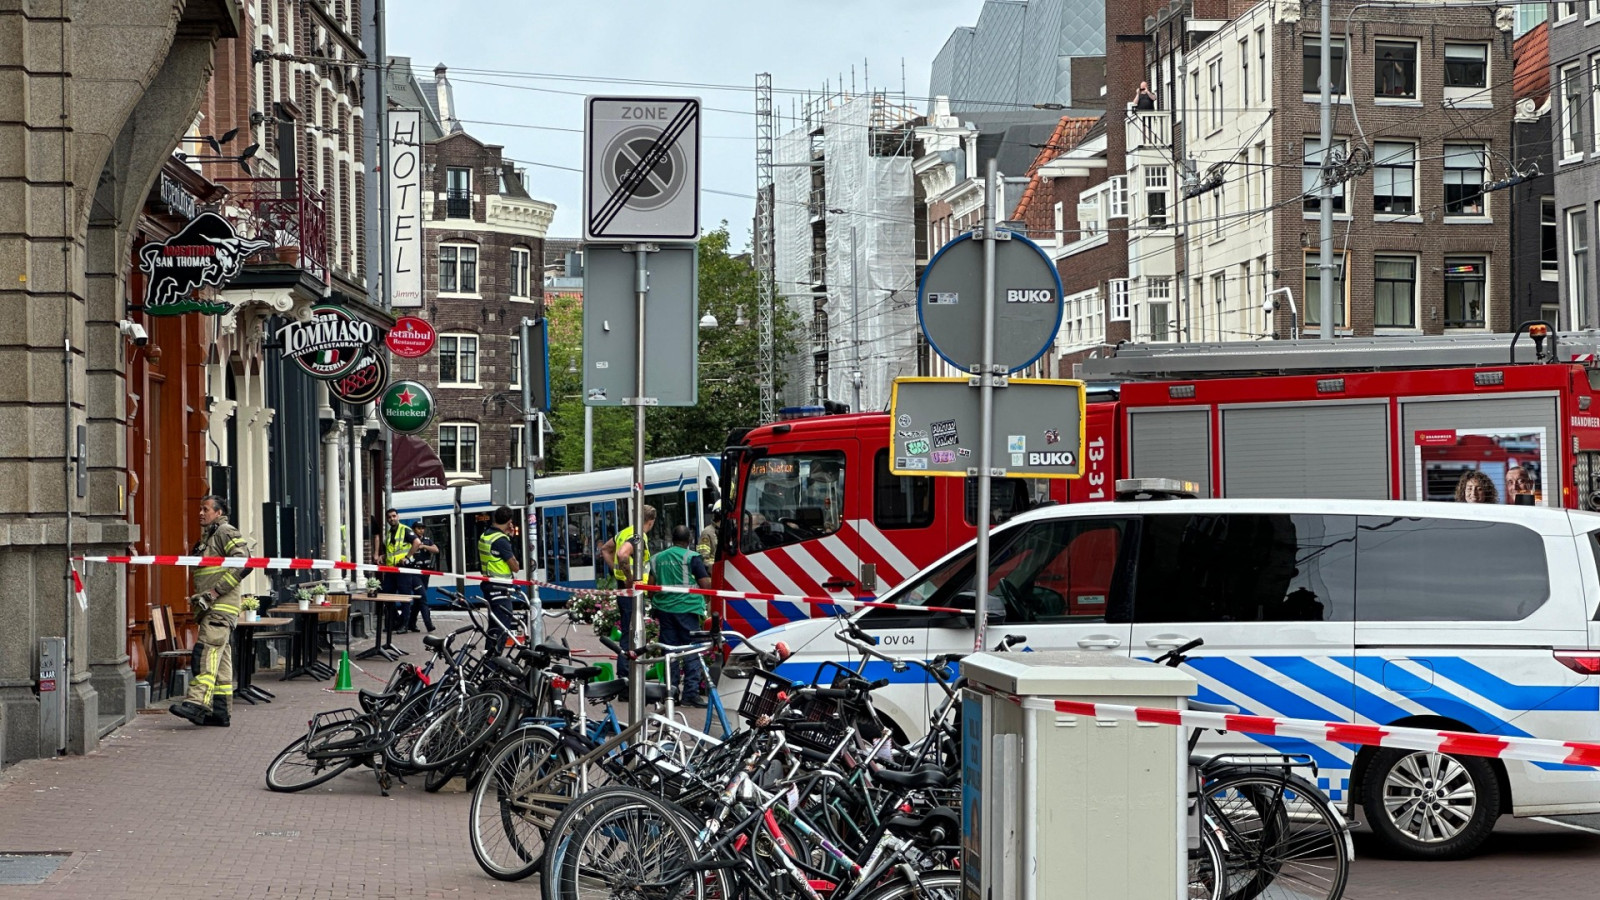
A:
(1244, 71)
(1465, 291)
(1216, 214)
(1261, 63)
(1090, 214)
(458, 360)
(1464, 178)
(1594, 9)
(1156, 184)
(1311, 65)
(1311, 176)
(1394, 189)
(1594, 97)
(458, 448)
(1119, 299)
(521, 273)
(516, 362)
(1061, 223)
(1549, 242)
(1312, 305)
(1394, 291)
(1158, 305)
(1214, 79)
(1266, 176)
(1566, 10)
(1578, 263)
(1466, 72)
(458, 269)
(1394, 75)
(1572, 95)
(1219, 300)
(1246, 295)
(1119, 196)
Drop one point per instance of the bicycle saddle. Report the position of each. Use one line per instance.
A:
(369, 699)
(605, 691)
(554, 651)
(922, 779)
(433, 642)
(577, 673)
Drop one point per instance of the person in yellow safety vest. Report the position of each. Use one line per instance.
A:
(627, 547)
(215, 606)
(395, 546)
(497, 557)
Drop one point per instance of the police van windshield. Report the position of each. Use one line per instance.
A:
(791, 497)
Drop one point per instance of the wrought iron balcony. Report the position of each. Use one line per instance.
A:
(288, 213)
(458, 204)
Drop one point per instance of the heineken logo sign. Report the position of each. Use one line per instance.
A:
(328, 345)
(407, 407)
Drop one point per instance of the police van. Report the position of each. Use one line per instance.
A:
(1469, 617)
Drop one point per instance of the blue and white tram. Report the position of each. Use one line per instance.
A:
(573, 514)
(577, 513)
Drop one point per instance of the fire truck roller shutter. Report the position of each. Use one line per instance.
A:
(1326, 450)
(1507, 417)
(1171, 443)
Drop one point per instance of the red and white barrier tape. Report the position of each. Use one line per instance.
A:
(77, 588)
(1460, 743)
(279, 563)
(793, 598)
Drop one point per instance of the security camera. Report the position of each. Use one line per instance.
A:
(133, 331)
(1269, 306)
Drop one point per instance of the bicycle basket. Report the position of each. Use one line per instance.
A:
(762, 696)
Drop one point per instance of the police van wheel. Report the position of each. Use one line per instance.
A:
(1427, 805)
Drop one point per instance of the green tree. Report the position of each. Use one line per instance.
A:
(729, 391)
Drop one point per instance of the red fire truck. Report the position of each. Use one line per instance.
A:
(812, 508)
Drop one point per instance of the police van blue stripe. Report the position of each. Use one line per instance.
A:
(1504, 694)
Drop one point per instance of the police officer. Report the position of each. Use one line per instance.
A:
(397, 545)
(215, 607)
(497, 557)
(628, 545)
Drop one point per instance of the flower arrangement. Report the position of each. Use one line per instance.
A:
(373, 585)
(312, 594)
(250, 603)
(599, 609)
(247, 609)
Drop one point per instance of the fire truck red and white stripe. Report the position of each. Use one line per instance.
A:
(804, 570)
(1461, 743)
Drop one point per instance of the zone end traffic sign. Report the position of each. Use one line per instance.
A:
(641, 173)
(1038, 427)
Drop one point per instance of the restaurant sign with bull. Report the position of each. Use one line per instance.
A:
(206, 252)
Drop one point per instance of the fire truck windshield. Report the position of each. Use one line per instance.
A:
(791, 497)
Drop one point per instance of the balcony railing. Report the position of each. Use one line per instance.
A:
(458, 204)
(288, 213)
(1149, 129)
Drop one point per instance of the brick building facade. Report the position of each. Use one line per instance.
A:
(484, 251)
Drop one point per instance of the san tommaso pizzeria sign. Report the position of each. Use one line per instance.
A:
(329, 344)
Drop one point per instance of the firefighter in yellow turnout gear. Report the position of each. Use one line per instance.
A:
(215, 606)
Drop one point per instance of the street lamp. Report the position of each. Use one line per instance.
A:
(708, 321)
(740, 321)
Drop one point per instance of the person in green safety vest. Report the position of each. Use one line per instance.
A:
(497, 557)
(680, 615)
(628, 546)
(396, 544)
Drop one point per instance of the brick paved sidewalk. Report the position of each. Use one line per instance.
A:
(170, 810)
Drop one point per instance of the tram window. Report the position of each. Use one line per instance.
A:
(1007, 497)
(439, 531)
(671, 511)
(580, 546)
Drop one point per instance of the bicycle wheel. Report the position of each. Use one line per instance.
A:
(406, 726)
(505, 823)
(633, 845)
(932, 886)
(293, 769)
(456, 730)
(1207, 867)
(1282, 838)
(438, 778)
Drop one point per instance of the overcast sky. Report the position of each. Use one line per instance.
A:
(708, 42)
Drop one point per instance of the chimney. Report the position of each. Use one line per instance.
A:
(447, 113)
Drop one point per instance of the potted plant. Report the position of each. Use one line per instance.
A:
(319, 593)
(247, 609)
(303, 596)
(373, 586)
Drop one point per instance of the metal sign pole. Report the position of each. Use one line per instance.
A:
(636, 626)
(980, 574)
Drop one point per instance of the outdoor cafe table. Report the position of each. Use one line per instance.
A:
(383, 641)
(244, 659)
(306, 662)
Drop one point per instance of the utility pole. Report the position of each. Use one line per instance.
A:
(855, 317)
(1325, 190)
(384, 204)
(986, 378)
(530, 421)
